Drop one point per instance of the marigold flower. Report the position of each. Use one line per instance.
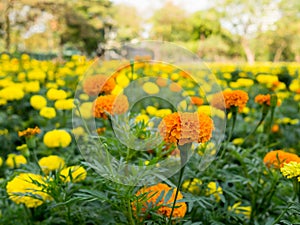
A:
(215, 190)
(48, 112)
(78, 173)
(38, 102)
(264, 99)
(29, 132)
(57, 138)
(54, 94)
(237, 208)
(197, 100)
(14, 161)
(98, 84)
(291, 170)
(184, 128)
(110, 104)
(64, 104)
(1, 161)
(12, 93)
(164, 205)
(51, 163)
(235, 98)
(277, 158)
(29, 189)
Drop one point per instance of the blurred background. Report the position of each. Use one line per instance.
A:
(219, 30)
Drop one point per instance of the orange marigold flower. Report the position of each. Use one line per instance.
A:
(186, 127)
(197, 100)
(164, 205)
(235, 98)
(98, 84)
(110, 104)
(29, 132)
(275, 128)
(277, 158)
(101, 130)
(264, 99)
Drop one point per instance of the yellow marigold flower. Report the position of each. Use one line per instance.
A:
(78, 131)
(3, 101)
(215, 190)
(235, 98)
(163, 112)
(291, 170)
(150, 88)
(48, 112)
(142, 117)
(29, 132)
(238, 141)
(266, 79)
(57, 138)
(36, 74)
(192, 186)
(14, 161)
(86, 110)
(78, 173)
(38, 101)
(54, 94)
(12, 93)
(64, 104)
(1, 161)
(164, 207)
(95, 85)
(277, 158)
(237, 208)
(51, 163)
(24, 187)
(151, 110)
(110, 104)
(33, 86)
(182, 128)
(122, 80)
(244, 82)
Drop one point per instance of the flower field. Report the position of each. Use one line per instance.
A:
(148, 143)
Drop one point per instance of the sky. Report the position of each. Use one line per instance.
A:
(147, 7)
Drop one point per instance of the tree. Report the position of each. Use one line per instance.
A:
(128, 22)
(170, 23)
(248, 18)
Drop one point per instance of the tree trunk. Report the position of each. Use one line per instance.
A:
(249, 53)
(7, 25)
(279, 51)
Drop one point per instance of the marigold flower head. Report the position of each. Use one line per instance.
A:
(197, 100)
(48, 112)
(235, 98)
(51, 163)
(38, 101)
(29, 189)
(78, 173)
(64, 104)
(277, 158)
(237, 208)
(110, 104)
(291, 170)
(95, 85)
(164, 205)
(264, 99)
(29, 132)
(14, 161)
(186, 127)
(54, 94)
(57, 138)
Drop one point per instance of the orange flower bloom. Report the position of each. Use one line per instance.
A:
(110, 104)
(186, 127)
(264, 99)
(235, 98)
(275, 128)
(197, 101)
(29, 132)
(277, 158)
(98, 84)
(164, 207)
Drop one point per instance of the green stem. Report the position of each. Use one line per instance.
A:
(234, 116)
(176, 194)
(130, 213)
